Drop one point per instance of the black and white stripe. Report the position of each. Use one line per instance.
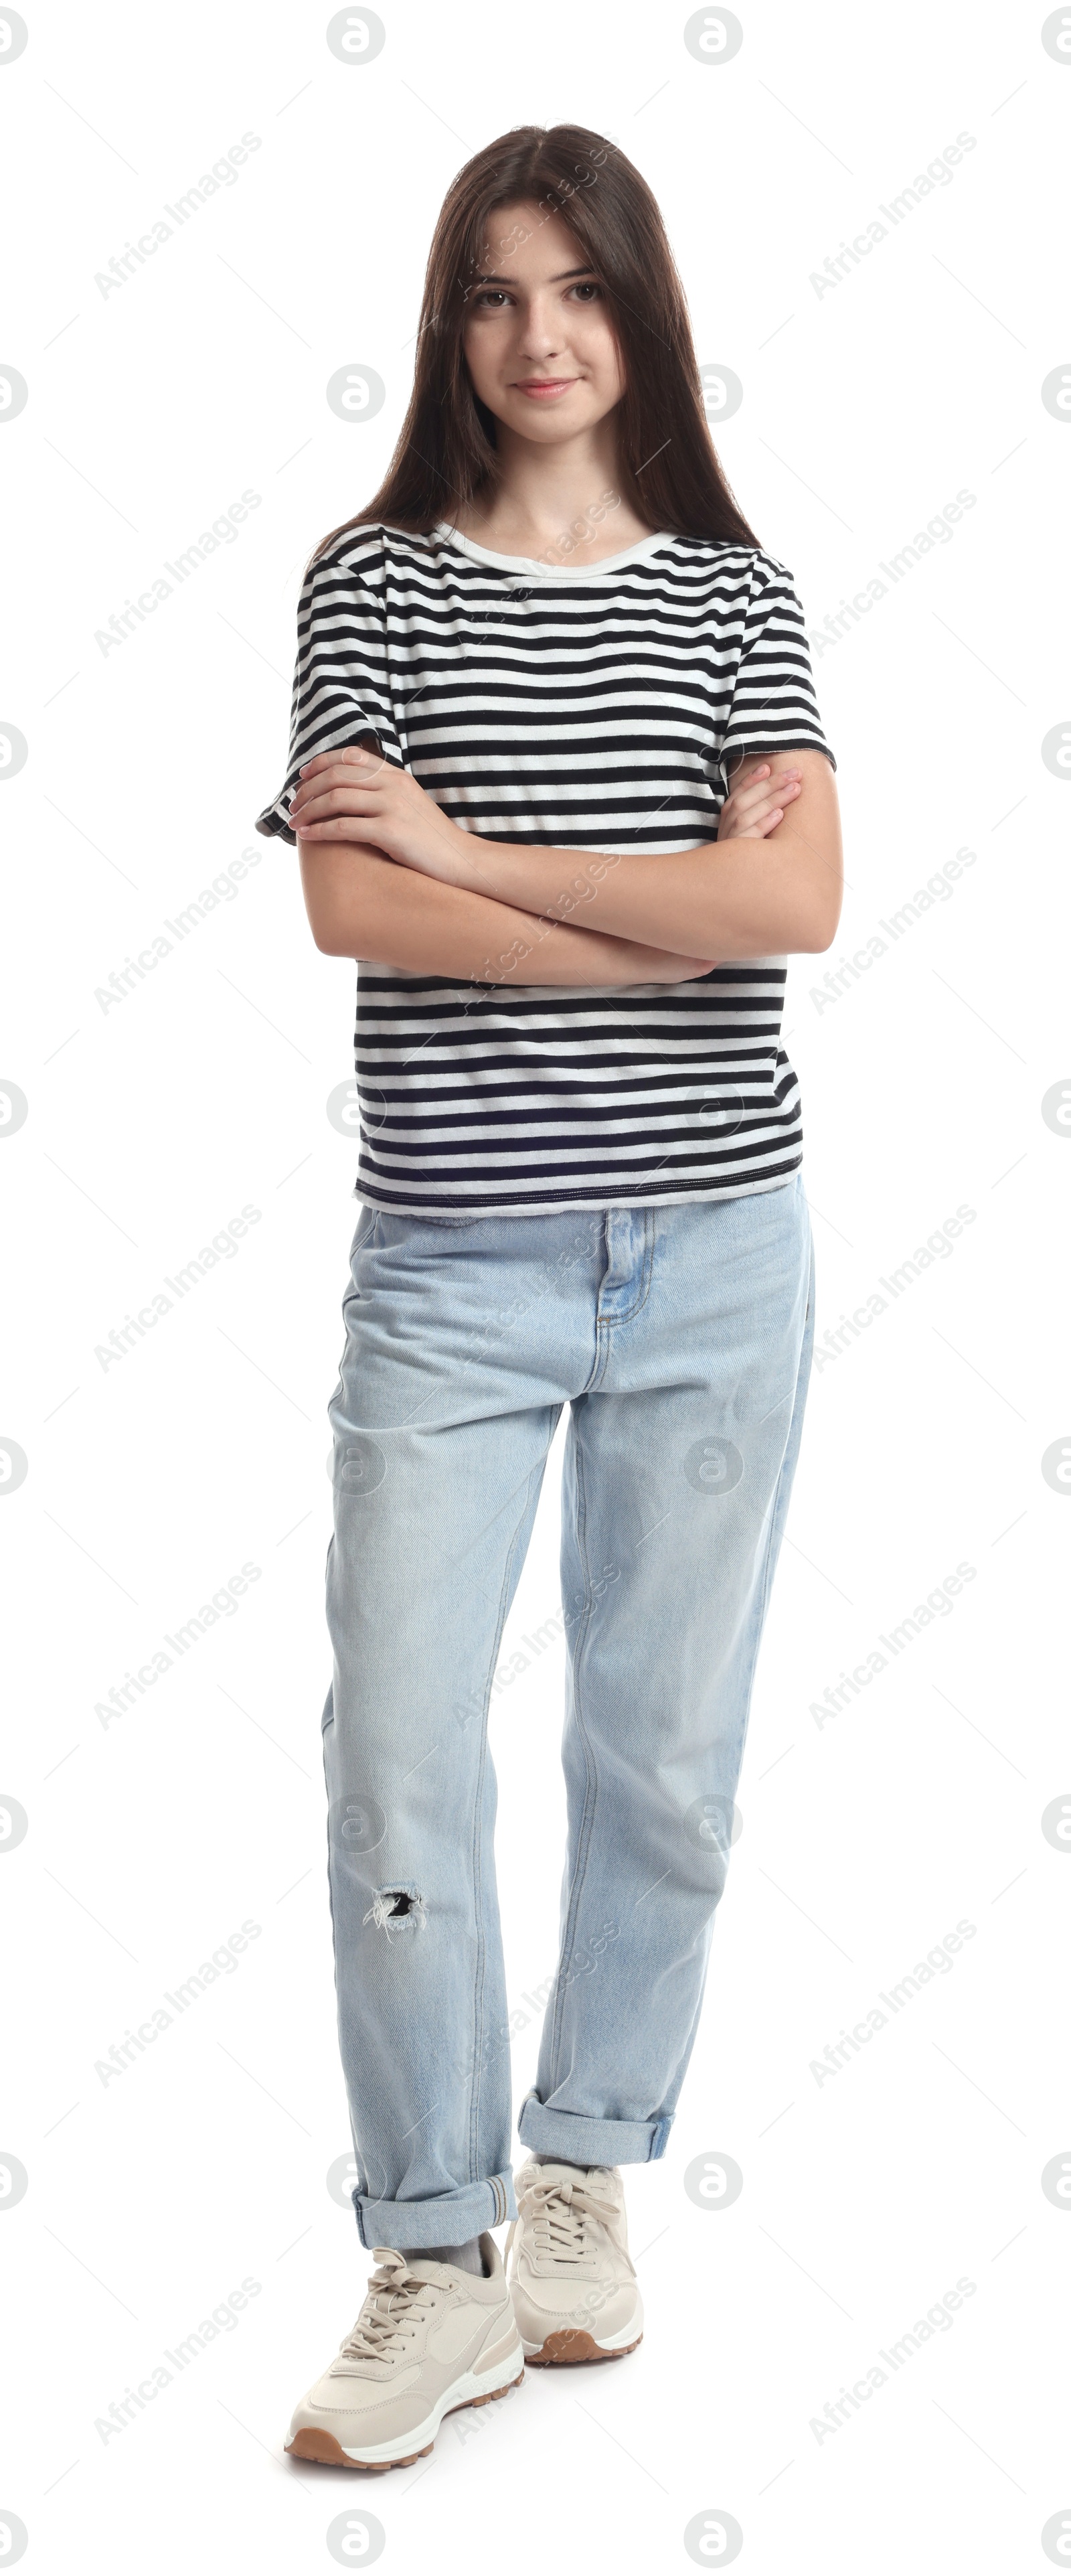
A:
(576, 709)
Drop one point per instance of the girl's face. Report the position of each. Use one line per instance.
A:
(537, 336)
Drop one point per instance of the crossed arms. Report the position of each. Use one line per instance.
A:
(387, 876)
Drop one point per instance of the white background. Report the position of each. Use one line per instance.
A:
(150, 1482)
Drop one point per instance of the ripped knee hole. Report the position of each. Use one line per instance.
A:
(399, 1906)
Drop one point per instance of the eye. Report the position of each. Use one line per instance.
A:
(491, 295)
(587, 288)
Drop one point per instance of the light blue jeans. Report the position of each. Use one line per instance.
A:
(680, 1338)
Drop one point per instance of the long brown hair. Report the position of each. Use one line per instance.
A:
(446, 450)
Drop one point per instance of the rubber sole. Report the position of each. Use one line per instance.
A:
(314, 2442)
(571, 2345)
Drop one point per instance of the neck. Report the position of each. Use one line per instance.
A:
(545, 498)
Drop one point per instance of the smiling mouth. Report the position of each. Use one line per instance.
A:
(545, 384)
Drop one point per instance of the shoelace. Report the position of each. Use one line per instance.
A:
(386, 2318)
(560, 2213)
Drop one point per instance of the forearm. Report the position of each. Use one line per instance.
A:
(362, 905)
(726, 899)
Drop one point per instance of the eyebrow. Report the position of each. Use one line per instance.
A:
(489, 277)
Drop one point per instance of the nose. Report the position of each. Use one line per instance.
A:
(542, 335)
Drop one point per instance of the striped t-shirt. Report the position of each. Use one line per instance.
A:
(576, 709)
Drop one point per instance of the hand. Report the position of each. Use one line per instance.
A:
(355, 796)
(758, 803)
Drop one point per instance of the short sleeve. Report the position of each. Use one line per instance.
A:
(774, 706)
(340, 674)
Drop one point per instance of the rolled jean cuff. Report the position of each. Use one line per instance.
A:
(449, 2220)
(590, 2142)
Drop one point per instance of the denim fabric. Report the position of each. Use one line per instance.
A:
(680, 1338)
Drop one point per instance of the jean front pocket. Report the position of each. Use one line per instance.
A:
(365, 1233)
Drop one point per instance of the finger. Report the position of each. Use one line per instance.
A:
(759, 789)
(324, 810)
(758, 779)
(328, 759)
(757, 814)
(337, 769)
(330, 818)
(344, 827)
(328, 774)
(352, 798)
(759, 831)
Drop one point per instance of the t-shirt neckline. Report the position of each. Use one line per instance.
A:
(530, 565)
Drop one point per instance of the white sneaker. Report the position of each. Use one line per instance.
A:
(574, 2290)
(428, 2339)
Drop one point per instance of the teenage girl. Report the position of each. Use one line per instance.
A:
(557, 779)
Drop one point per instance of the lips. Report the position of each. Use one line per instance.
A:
(545, 385)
